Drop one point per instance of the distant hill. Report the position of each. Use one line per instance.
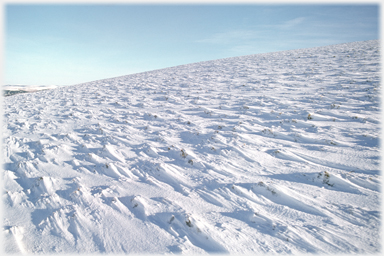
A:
(9, 90)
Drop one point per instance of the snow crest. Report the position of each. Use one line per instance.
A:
(267, 153)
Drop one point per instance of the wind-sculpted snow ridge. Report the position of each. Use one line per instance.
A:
(268, 153)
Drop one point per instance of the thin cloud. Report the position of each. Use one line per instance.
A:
(286, 25)
(291, 23)
(243, 35)
(229, 37)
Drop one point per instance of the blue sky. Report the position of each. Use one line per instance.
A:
(70, 44)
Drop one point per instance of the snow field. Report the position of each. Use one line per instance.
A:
(267, 153)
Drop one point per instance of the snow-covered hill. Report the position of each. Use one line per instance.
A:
(273, 152)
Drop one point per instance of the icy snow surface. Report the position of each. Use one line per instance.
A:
(274, 152)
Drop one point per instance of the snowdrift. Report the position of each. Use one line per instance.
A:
(268, 153)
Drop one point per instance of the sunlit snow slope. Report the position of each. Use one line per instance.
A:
(273, 152)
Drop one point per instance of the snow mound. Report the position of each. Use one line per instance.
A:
(267, 153)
